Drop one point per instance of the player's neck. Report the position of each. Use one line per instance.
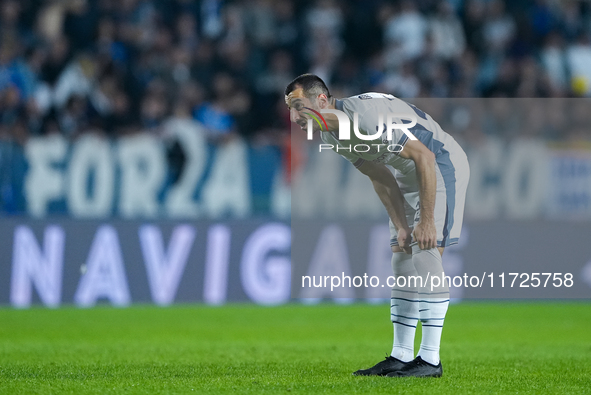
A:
(331, 120)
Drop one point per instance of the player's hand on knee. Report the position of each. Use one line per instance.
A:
(425, 235)
(404, 240)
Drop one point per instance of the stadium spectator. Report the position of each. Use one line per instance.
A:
(578, 57)
(113, 52)
(554, 62)
(217, 115)
(499, 28)
(447, 33)
(405, 33)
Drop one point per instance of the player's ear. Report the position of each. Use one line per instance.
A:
(322, 101)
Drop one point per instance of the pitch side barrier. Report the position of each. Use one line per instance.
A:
(85, 263)
(88, 263)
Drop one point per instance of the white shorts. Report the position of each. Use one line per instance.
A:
(453, 173)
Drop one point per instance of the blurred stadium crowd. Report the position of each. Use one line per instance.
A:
(122, 66)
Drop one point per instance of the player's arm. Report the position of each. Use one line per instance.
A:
(389, 193)
(425, 232)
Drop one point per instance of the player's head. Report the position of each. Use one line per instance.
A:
(307, 91)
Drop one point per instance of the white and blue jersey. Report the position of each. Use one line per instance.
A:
(451, 168)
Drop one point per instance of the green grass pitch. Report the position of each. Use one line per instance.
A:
(492, 348)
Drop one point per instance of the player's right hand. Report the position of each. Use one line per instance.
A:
(425, 234)
(404, 239)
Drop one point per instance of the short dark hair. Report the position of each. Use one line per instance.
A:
(311, 84)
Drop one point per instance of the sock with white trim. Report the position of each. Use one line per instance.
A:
(433, 302)
(404, 307)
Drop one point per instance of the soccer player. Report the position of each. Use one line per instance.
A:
(424, 197)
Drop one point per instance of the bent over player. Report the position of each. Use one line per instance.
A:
(424, 197)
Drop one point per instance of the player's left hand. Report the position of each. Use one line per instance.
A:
(404, 239)
(425, 235)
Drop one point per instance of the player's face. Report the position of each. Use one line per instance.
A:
(297, 103)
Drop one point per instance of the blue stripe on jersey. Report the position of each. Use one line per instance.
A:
(446, 222)
(447, 170)
(449, 179)
(450, 242)
(402, 142)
